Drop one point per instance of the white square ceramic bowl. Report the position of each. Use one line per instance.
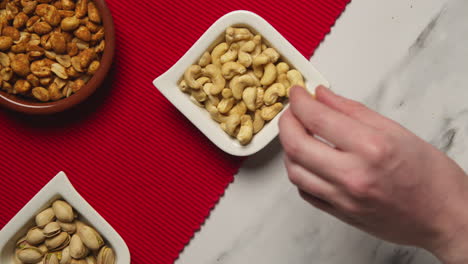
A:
(167, 83)
(58, 188)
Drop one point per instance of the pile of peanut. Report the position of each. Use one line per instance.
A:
(241, 82)
(49, 49)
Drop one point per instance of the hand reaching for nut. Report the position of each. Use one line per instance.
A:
(241, 82)
(49, 49)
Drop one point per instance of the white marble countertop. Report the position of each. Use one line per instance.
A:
(406, 59)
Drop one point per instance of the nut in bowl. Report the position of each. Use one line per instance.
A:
(59, 226)
(236, 78)
(54, 53)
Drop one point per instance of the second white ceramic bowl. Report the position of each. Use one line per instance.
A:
(167, 83)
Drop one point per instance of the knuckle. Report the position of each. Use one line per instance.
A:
(294, 175)
(378, 149)
(361, 188)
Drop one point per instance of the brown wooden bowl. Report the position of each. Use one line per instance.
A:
(24, 105)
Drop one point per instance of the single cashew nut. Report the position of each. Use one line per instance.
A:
(269, 112)
(207, 87)
(199, 95)
(283, 79)
(257, 64)
(244, 56)
(273, 92)
(231, 54)
(259, 99)
(282, 67)
(246, 130)
(195, 101)
(249, 97)
(214, 113)
(239, 83)
(258, 46)
(239, 109)
(272, 54)
(295, 78)
(191, 74)
(231, 68)
(226, 93)
(203, 80)
(214, 73)
(217, 52)
(225, 105)
(258, 122)
(230, 124)
(205, 59)
(236, 34)
(269, 75)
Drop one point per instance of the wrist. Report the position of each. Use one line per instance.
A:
(451, 246)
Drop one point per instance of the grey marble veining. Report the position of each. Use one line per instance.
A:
(261, 219)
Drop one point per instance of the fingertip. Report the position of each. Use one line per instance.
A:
(296, 91)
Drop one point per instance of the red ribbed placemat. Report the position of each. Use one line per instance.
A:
(127, 150)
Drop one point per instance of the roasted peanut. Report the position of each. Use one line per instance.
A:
(41, 94)
(54, 92)
(59, 70)
(33, 80)
(22, 86)
(68, 4)
(6, 74)
(83, 33)
(40, 68)
(51, 16)
(81, 8)
(20, 65)
(20, 20)
(93, 13)
(5, 42)
(11, 32)
(58, 43)
(42, 28)
(77, 85)
(93, 67)
(70, 23)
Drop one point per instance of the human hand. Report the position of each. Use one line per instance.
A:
(375, 174)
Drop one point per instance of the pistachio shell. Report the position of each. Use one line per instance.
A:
(77, 248)
(106, 256)
(79, 225)
(58, 242)
(66, 258)
(91, 260)
(45, 217)
(22, 243)
(63, 211)
(90, 237)
(51, 229)
(35, 236)
(51, 258)
(70, 228)
(30, 255)
(43, 248)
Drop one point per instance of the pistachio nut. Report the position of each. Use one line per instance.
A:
(63, 211)
(35, 236)
(58, 242)
(29, 255)
(77, 248)
(70, 228)
(22, 243)
(90, 237)
(51, 229)
(66, 258)
(43, 248)
(106, 256)
(51, 258)
(79, 224)
(91, 260)
(45, 217)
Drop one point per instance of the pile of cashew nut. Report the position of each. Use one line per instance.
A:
(241, 82)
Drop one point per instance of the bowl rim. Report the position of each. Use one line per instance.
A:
(167, 83)
(26, 106)
(60, 186)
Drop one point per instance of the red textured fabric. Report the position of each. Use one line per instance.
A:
(150, 173)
